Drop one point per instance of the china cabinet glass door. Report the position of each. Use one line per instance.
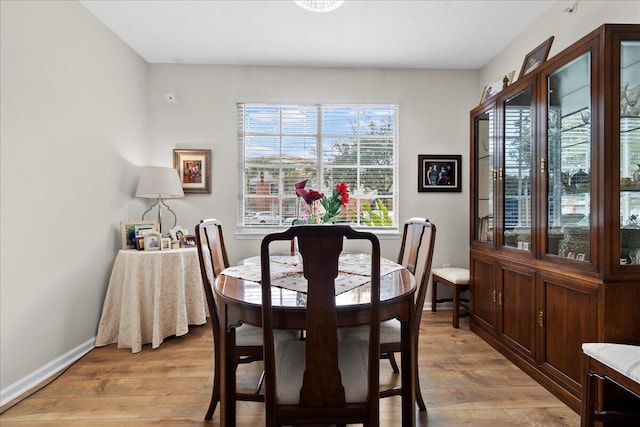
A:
(485, 138)
(515, 172)
(630, 152)
(568, 162)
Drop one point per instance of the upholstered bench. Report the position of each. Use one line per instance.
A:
(458, 280)
(618, 363)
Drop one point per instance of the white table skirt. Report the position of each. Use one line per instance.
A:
(151, 295)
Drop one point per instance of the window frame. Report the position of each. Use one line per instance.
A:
(320, 137)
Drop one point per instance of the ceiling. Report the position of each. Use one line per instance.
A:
(435, 34)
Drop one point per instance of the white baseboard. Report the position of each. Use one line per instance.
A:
(23, 385)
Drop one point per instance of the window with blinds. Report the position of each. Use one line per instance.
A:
(280, 145)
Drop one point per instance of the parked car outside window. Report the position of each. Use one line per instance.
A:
(263, 217)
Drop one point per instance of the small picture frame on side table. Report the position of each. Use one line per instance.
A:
(166, 243)
(189, 241)
(129, 230)
(536, 57)
(140, 243)
(194, 170)
(152, 242)
(439, 173)
(177, 232)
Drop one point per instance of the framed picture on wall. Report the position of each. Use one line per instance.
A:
(194, 170)
(536, 57)
(439, 173)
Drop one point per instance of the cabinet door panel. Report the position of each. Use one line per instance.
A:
(568, 317)
(568, 161)
(484, 126)
(483, 293)
(629, 252)
(518, 303)
(515, 172)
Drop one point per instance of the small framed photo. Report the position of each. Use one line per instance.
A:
(194, 170)
(439, 173)
(152, 242)
(166, 243)
(536, 57)
(188, 241)
(177, 232)
(140, 243)
(497, 86)
(143, 229)
(129, 230)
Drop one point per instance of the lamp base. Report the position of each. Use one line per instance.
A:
(159, 202)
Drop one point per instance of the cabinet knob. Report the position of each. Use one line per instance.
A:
(543, 164)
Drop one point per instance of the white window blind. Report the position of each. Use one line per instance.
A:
(325, 144)
(517, 166)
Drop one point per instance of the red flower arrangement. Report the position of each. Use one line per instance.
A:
(331, 206)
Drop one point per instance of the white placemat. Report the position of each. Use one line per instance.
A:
(286, 272)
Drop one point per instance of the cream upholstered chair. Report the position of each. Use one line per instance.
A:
(619, 365)
(321, 380)
(212, 256)
(416, 254)
(457, 279)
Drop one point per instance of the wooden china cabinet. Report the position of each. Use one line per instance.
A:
(555, 208)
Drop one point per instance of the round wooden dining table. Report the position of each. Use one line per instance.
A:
(240, 301)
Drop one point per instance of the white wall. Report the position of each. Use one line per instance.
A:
(566, 29)
(434, 115)
(80, 112)
(73, 106)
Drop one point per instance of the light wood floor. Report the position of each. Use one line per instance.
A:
(464, 382)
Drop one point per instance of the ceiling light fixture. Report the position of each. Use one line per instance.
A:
(319, 6)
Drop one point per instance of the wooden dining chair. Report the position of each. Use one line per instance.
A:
(212, 256)
(321, 380)
(416, 255)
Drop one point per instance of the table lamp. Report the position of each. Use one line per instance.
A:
(160, 183)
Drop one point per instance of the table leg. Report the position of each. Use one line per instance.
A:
(228, 376)
(408, 370)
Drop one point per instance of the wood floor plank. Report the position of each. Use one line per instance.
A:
(464, 381)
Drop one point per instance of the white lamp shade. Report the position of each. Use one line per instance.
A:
(158, 182)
